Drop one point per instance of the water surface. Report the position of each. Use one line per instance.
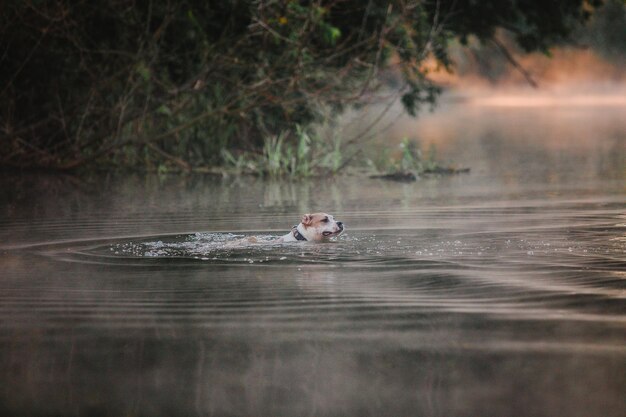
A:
(497, 293)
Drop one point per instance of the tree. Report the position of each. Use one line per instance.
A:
(137, 82)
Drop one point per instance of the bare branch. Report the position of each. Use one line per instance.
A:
(505, 52)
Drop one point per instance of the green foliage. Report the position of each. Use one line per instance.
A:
(411, 156)
(179, 85)
(275, 159)
(291, 154)
(413, 160)
(410, 160)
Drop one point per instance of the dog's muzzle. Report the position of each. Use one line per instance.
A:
(338, 232)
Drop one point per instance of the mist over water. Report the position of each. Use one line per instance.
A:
(496, 293)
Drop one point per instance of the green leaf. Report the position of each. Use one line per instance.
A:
(163, 109)
(143, 71)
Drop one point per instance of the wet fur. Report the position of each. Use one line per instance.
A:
(315, 227)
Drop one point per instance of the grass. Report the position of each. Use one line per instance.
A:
(409, 163)
(297, 154)
(302, 154)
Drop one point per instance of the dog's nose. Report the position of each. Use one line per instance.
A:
(340, 224)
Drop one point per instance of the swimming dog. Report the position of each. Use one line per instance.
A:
(314, 228)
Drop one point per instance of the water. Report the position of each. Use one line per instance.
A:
(497, 293)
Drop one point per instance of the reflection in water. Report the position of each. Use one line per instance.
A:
(498, 293)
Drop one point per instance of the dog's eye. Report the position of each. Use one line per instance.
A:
(325, 220)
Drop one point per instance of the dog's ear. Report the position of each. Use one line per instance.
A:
(306, 220)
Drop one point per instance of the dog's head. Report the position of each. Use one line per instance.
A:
(320, 226)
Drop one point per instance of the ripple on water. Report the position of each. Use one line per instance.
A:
(363, 249)
(392, 279)
(496, 266)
